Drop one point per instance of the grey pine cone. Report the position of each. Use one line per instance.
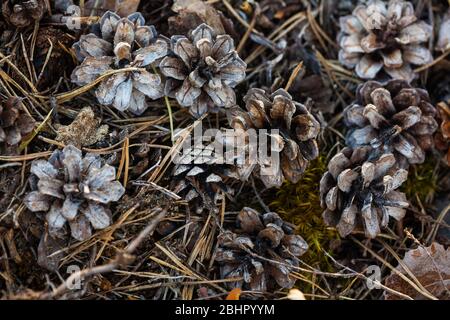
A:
(377, 37)
(200, 177)
(394, 117)
(264, 247)
(358, 191)
(202, 70)
(120, 43)
(73, 189)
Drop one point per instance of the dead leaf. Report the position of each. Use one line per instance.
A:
(234, 294)
(192, 13)
(431, 266)
(122, 7)
(47, 256)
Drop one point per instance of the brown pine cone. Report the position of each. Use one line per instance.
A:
(394, 117)
(295, 140)
(203, 70)
(358, 191)
(378, 37)
(442, 137)
(23, 13)
(73, 189)
(263, 248)
(15, 124)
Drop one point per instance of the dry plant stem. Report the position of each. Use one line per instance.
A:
(362, 276)
(437, 224)
(122, 259)
(284, 29)
(64, 97)
(249, 29)
(238, 17)
(432, 63)
(293, 75)
(30, 156)
(260, 200)
(419, 289)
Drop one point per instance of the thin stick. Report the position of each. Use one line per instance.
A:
(294, 75)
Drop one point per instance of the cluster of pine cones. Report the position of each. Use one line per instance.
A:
(391, 125)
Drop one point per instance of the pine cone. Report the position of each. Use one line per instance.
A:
(15, 124)
(393, 118)
(264, 248)
(443, 41)
(442, 137)
(117, 44)
(23, 13)
(201, 177)
(202, 71)
(377, 38)
(359, 191)
(74, 189)
(296, 140)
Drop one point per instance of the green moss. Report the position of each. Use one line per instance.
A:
(299, 204)
(422, 182)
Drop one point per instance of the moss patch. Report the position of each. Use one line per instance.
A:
(299, 204)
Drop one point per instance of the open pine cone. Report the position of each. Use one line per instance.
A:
(376, 37)
(199, 176)
(393, 118)
(15, 124)
(23, 13)
(202, 70)
(264, 247)
(295, 140)
(74, 189)
(117, 44)
(358, 191)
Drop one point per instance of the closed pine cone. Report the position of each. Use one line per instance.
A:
(201, 178)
